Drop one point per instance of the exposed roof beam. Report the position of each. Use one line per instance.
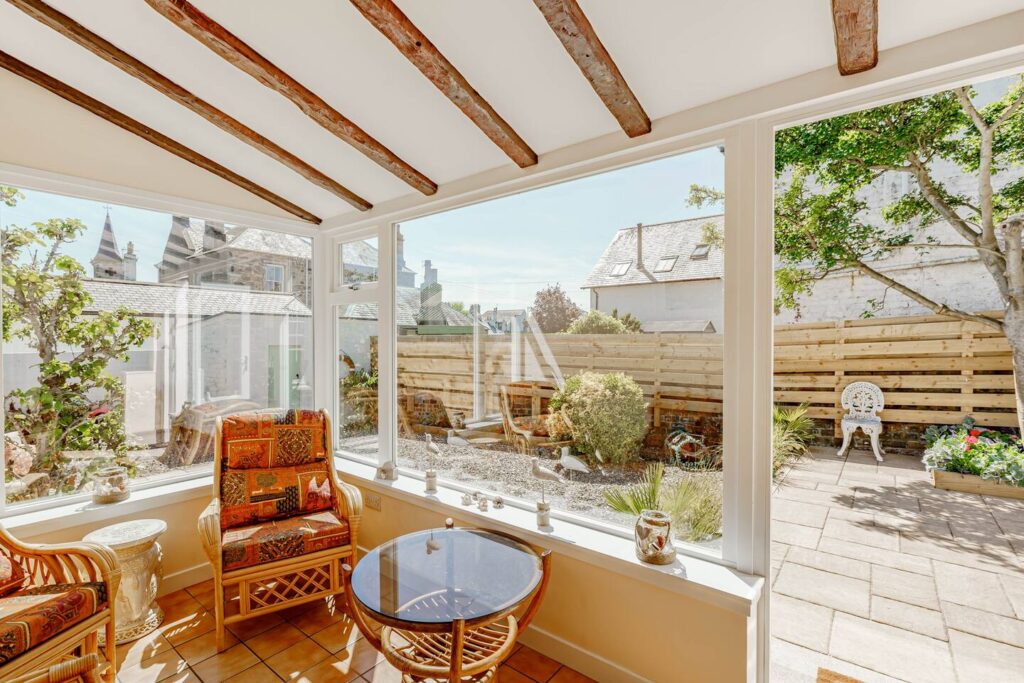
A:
(133, 67)
(856, 30)
(229, 46)
(387, 18)
(129, 124)
(573, 28)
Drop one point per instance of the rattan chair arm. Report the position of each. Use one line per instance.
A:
(209, 531)
(69, 562)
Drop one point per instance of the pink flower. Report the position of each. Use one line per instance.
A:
(970, 440)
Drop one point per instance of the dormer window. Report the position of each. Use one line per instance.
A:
(619, 269)
(700, 252)
(665, 264)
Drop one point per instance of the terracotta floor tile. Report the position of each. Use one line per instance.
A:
(203, 647)
(507, 674)
(567, 675)
(317, 618)
(272, 641)
(360, 656)
(383, 673)
(338, 636)
(154, 669)
(142, 649)
(260, 673)
(182, 630)
(330, 670)
(226, 664)
(531, 663)
(293, 660)
(253, 627)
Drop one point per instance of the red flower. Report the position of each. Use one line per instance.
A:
(975, 432)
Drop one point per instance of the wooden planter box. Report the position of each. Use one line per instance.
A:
(970, 483)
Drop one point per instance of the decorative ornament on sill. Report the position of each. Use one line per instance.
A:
(543, 474)
(653, 536)
(431, 475)
(110, 485)
(467, 499)
(482, 504)
(387, 472)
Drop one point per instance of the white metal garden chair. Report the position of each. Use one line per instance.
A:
(862, 402)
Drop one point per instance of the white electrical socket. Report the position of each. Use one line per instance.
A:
(372, 501)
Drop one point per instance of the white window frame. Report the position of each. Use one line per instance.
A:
(280, 267)
(671, 261)
(70, 186)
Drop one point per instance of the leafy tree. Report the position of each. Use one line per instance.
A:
(629, 321)
(75, 403)
(554, 310)
(458, 306)
(596, 322)
(821, 225)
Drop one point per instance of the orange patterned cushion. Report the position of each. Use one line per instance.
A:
(31, 616)
(250, 496)
(270, 541)
(12, 575)
(273, 438)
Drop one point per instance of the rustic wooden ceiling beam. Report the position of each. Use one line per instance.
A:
(106, 50)
(387, 18)
(572, 27)
(129, 124)
(856, 30)
(203, 28)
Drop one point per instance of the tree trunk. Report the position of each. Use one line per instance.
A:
(1013, 325)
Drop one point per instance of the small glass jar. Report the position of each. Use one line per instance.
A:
(110, 485)
(653, 536)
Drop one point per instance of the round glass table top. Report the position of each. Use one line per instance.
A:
(438, 576)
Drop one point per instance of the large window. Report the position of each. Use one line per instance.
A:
(128, 332)
(569, 330)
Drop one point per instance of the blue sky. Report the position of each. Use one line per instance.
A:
(499, 253)
(147, 229)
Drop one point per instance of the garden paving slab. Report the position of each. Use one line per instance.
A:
(837, 564)
(927, 622)
(803, 495)
(972, 587)
(889, 558)
(802, 623)
(795, 664)
(824, 588)
(1014, 587)
(891, 651)
(964, 553)
(908, 587)
(799, 513)
(985, 624)
(863, 533)
(795, 534)
(980, 659)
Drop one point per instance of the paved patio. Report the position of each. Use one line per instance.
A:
(880, 576)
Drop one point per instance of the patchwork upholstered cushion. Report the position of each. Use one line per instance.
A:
(251, 496)
(12, 575)
(31, 616)
(273, 438)
(269, 541)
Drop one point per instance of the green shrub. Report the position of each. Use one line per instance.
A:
(968, 449)
(607, 413)
(643, 495)
(694, 504)
(596, 322)
(791, 430)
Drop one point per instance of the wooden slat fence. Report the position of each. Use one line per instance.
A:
(933, 370)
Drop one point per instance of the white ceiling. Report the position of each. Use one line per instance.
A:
(675, 55)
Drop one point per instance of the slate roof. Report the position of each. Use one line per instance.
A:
(678, 238)
(154, 298)
(251, 239)
(108, 243)
(407, 310)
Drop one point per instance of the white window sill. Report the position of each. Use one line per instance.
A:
(691, 576)
(35, 522)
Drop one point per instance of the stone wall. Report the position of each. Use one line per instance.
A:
(897, 438)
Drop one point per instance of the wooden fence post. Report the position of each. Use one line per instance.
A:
(967, 407)
(837, 423)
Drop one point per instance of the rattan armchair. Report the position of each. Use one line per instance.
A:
(90, 571)
(298, 553)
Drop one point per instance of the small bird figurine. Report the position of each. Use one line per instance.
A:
(455, 440)
(544, 474)
(571, 463)
(431, 446)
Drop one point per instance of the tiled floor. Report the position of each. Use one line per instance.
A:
(880, 576)
(312, 643)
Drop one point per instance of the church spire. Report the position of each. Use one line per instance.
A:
(108, 263)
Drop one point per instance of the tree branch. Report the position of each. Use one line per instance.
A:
(932, 196)
(1009, 111)
(963, 95)
(934, 306)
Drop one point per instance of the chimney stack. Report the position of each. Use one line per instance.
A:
(131, 259)
(640, 246)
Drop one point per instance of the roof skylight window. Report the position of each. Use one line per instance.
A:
(665, 264)
(619, 269)
(700, 252)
